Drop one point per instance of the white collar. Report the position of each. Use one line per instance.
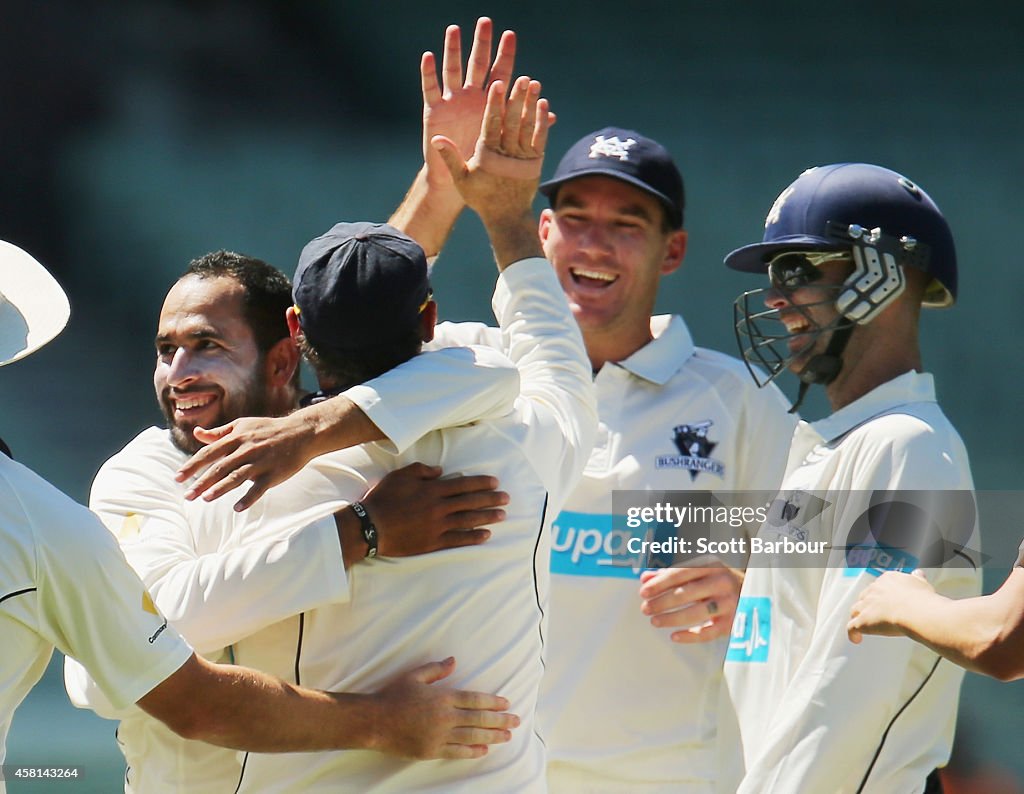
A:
(910, 387)
(665, 354)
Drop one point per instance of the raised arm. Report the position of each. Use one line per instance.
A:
(538, 330)
(454, 107)
(500, 180)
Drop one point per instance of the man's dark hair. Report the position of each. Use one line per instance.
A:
(339, 372)
(268, 292)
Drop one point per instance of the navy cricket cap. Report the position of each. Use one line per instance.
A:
(629, 156)
(359, 286)
(845, 194)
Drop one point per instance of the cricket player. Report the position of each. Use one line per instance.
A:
(64, 583)
(630, 692)
(853, 252)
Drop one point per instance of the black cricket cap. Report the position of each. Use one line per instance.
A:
(359, 286)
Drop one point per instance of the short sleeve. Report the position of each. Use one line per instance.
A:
(93, 606)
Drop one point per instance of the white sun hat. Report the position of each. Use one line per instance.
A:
(33, 307)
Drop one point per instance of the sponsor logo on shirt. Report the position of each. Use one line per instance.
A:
(751, 631)
(877, 559)
(586, 544)
(694, 451)
(158, 632)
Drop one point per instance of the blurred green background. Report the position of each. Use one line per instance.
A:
(138, 135)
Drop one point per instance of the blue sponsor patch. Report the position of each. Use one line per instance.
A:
(587, 544)
(751, 631)
(877, 559)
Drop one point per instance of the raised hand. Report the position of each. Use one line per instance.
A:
(455, 106)
(500, 180)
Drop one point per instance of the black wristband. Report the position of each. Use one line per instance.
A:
(367, 527)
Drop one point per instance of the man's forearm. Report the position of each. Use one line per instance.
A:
(428, 213)
(246, 710)
(337, 423)
(513, 237)
(983, 634)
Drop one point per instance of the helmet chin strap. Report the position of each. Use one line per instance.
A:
(824, 367)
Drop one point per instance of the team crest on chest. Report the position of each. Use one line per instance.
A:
(611, 147)
(695, 448)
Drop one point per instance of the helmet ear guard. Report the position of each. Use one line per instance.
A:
(878, 277)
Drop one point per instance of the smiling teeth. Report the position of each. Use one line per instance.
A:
(593, 274)
(184, 404)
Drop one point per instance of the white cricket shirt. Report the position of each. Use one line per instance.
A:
(64, 583)
(816, 712)
(622, 707)
(485, 605)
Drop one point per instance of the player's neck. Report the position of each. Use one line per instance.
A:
(604, 344)
(864, 371)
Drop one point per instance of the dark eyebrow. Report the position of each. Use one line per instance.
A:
(631, 210)
(198, 333)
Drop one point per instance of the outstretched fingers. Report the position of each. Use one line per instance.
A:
(528, 118)
(545, 120)
(476, 704)
(428, 80)
(219, 442)
(479, 736)
(505, 60)
(494, 116)
(451, 59)
(480, 54)
(514, 115)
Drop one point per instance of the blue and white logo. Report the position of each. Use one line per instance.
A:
(751, 631)
(586, 544)
(877, 559)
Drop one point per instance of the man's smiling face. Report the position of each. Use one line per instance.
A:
(608, 242)
(209, 369)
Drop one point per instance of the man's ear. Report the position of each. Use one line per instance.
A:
(428, 319)
(675, 250)
(280, 362)
(547, 217)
